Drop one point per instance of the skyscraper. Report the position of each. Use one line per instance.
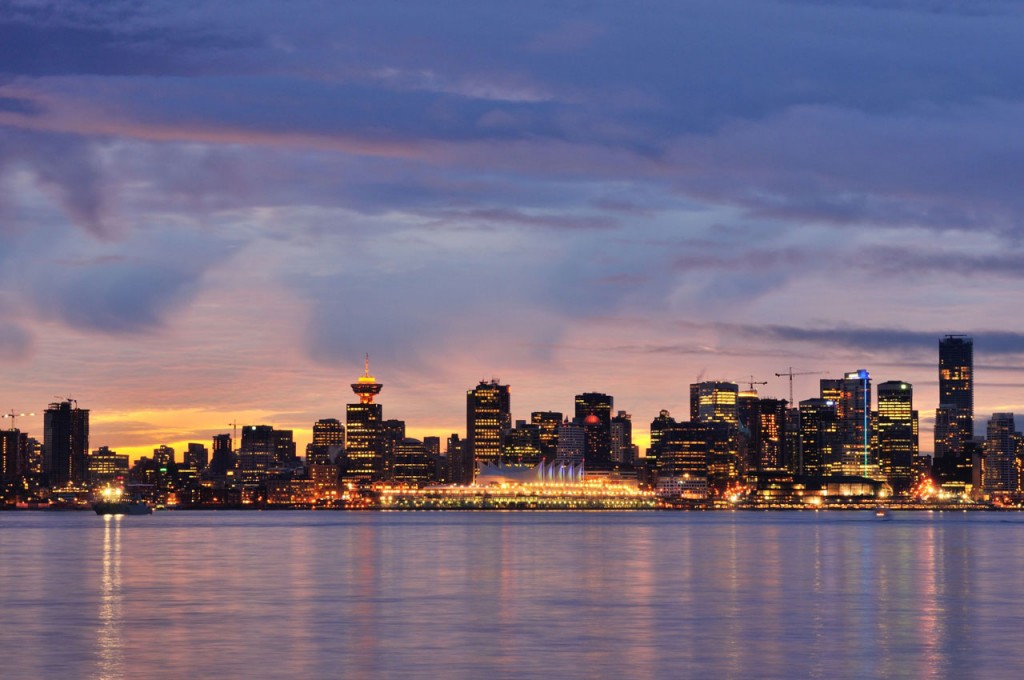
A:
(594, 413)
(852, 397)
(548, 422)
(954, 418)
(10, 450)
(715, 402)
(364, 453)
(1000, 462)
(820, 442)
(488, 415)
(622, 439)
(896, 433)
(223, 458)
(66, 443)
(772, 440)
(328, 442)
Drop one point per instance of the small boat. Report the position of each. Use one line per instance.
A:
(882, 512)
(113, 502)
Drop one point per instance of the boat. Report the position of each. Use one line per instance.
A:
(882, 512)
(112, 502)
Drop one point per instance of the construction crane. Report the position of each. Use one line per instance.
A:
(234, 431)
(789, 374)
(12, 415)
(750, 383)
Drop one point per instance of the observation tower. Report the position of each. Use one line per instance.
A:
(367, 386)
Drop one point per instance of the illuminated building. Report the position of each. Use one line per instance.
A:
(412, 463)
(105, 466)
(521, 444)
(284, 446)
(1002, 443)
(572, 444)
(661, 424)
(163, 455)
(488, 415)
(197, 456)
(594, 412)
(623, 451)
(820, 443)
(364, 450)
(896, 433)
(66, 443)
(715, 402)
(392, 433)
(954, 418)
(772, 440)
(328, 442)
(852, 397)
(460, 460)
(547, 422)
(687, 456)
(748, 415)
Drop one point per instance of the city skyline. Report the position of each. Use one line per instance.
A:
(209, 216)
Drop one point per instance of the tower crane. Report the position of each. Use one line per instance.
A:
(12, 415)
(750, 383)
(789, 374)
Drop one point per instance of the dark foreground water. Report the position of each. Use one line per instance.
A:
(506, 595)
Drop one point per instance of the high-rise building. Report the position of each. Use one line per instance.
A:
(460, 460)
(197, 456)
(364, 451)
(715, 402)
(521, 444)
(690, 451)
(488, 415)
(623, 452)
(661, 424)
(896, 433)
(66, 443)
(223, 458)
(594, 412)
(954, 418)
(820, 441)
(572, 444)
(392, 434)
(1000, 462)
(106, 466)
(547, 422)
(163, 455)
(328, 442)
(772, 441)
(412, 463)
(852, 397)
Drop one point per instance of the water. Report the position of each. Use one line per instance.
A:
(506, 595)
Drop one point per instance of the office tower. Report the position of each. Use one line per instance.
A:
(106, 466)
(1000, 462)
(257, 454)
(392, 433)
(547, 422)
(594, 412)
(896, 433)
(954, 418)
(258, 438)
(820, 441)
(460, 461)
(66, 443)
(692, 453)
(714, 402)
(748, 414)
(163, 456)
(197, 457)
(284, 447)
(432, 445)
(223, 458)
(364, 450)
(572, 444)
(772, 441)
(662, 423)
(521, 444)
(852, 397)
(10, 455)
(488, 414)
(412, 464)
(328, 442)
(623, 452)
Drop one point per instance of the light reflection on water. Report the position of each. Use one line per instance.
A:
(470, 595)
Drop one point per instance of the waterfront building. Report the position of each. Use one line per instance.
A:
(392, 433)
(772, 441)
(197, 456)
(851, 395)
(364, 451)
(106, 466)
(488, 415)
(412, 463)
(954, 418)
(895, 432)
(820, 442)
(748, 415)
(1002, 443)
(66, 443)
(572, 444)
(623, 451)
(594, 412)
(548, 423)
(460, 460)
(521, 444)
(10, 456)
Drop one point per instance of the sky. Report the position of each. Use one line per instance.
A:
(210, 212)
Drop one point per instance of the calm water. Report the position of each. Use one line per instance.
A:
(504, 595)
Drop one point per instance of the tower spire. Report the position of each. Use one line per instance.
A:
(366, 386)
(366, 370)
